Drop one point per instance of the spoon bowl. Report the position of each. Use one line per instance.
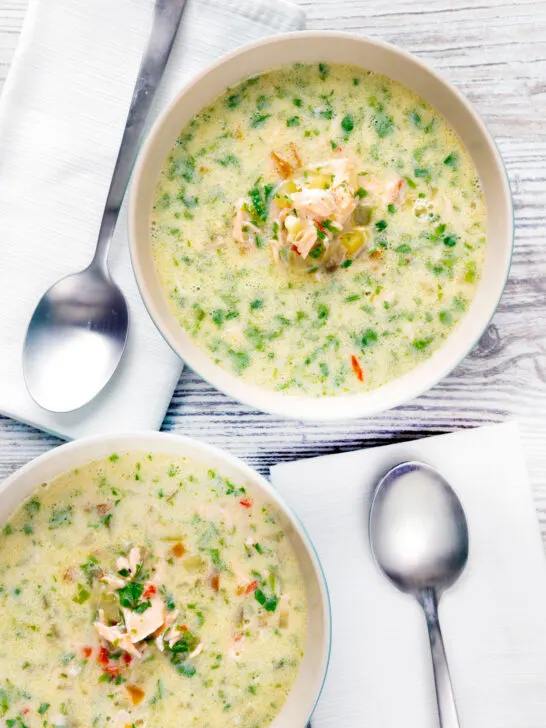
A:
(419, 539)
(75, 340)
(418, 529)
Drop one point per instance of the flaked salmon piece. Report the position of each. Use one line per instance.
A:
(295, 154)
(314, 203)
(117, 637)
(305, 240)
(140, 626)
(135, 559)
(342, 170)
(282, 165)
(345, 204)
(393, 190)
(131, 563)
(160, 633)
(274, 247)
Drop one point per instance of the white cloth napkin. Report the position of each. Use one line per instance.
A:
(62, 114)
(493, 619)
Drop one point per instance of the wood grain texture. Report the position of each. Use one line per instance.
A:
(495, 52)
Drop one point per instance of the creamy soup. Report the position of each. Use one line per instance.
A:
(319, 229)
(147, 591)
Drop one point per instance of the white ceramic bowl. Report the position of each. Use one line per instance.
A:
(380, 58)
(305, 692)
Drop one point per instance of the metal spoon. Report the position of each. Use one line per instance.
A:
(419, 539)
(77, 333)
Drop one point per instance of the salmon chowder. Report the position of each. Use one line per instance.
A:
(147, 590)
(318, 229)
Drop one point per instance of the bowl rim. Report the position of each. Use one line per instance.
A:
(145, 440)
(304, 407)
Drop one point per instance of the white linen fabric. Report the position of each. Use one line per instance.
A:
(493, 619)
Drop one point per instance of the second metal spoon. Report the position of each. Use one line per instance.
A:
(77, 333)
(419, 538)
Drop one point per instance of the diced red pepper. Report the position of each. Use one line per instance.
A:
(183, 628)
(149, 591)
(357, 369)
(25, 711)
(246, 502)
(87, 652)
(251, 587)
(215, 582)
(295, 249)
(320, 226)
(103, 656)
(127, 658)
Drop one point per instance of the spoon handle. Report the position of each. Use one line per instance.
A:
(167, 15)
(444, 692)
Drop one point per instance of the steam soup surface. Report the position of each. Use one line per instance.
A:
(147, 590)
(319, 229)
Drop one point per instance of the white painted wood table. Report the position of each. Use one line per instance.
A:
(495, 52)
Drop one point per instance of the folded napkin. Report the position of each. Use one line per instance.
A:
(62, 114)
(493, 619)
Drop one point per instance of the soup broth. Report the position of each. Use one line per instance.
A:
(319, 230)
(147, 590)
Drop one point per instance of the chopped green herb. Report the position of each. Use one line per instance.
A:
(381, 225)
(421, 344)
(60, 517)
(317, 250)
(218, 317)
(230, 160)
(268, 603)
(258, 119)
(347, 123)
(32, 507)
(233, 101)
(369, 337)
(324, 70)
(293, 121)
(383, 124)
(82, 595)
(129, 595)
(142, 607)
